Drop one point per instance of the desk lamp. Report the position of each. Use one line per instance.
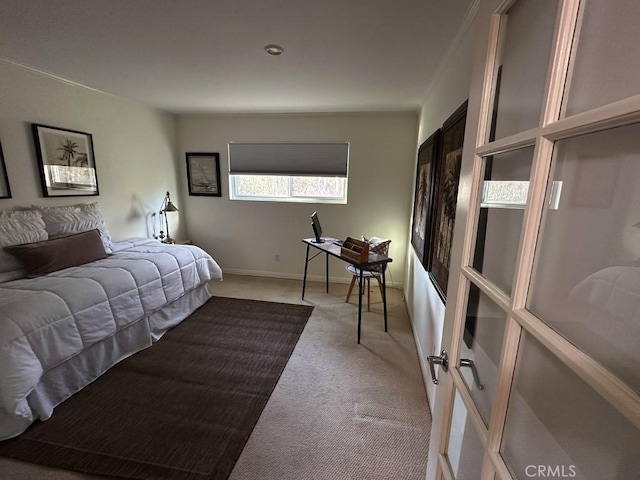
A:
(167, 206)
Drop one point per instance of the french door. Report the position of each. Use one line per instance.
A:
(542, 326)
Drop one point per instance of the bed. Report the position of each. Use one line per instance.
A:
(604, 320)
(61, 330)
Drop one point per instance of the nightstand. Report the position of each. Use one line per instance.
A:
(184, 242)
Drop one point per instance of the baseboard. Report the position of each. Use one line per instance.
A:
(422, 359)
(297, 276)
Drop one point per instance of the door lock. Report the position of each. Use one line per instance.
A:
(442, 360)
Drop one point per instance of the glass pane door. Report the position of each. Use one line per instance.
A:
(504, 197)
(480, 351)
(544, 326)
(586, 283)
(607, 61)
(465, 450)
(526, 38)
(559, 427)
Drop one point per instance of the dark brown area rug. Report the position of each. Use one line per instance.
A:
(182, 409)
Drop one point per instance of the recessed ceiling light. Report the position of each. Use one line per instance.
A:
(273, 49)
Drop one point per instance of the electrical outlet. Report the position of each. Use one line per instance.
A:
(277, 258)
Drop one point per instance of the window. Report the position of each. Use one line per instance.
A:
(505, 194)
(513, 194)
(289, 172)
(63, 176)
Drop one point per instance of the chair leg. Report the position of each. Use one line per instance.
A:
(380, 287)
(368, 294)
(353, 282)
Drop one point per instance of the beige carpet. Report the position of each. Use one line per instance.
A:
(341, 410)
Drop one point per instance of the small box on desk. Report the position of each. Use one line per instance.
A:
(355, 250)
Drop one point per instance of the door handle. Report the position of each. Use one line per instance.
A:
(442, 360)
(467, 362)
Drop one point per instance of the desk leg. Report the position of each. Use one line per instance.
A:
(360, 280)
(384, 296)
(306, 264)
(326, 269)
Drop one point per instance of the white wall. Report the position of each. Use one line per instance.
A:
(449, 90)
(134, 147)
(263, 238)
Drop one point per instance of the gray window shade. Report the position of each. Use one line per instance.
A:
(309, 159)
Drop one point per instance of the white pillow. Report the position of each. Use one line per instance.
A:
(12, 275)
(18, 227)
(69, 219)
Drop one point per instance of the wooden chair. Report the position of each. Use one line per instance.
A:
(379, 246)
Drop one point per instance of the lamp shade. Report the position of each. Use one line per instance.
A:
(167, 205)
(170, 207)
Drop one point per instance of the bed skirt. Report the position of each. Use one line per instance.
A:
(69, 377)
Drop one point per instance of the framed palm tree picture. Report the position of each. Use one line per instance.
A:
(66, 162)
(447, 178)
(5, 190)
(423, 199)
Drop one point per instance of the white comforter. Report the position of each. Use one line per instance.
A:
(605, 321)
(47, 320)
(614, 290)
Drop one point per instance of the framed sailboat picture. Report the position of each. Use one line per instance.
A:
(203, 174)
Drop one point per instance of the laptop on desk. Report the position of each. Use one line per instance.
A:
(317, 231)
(317, 228)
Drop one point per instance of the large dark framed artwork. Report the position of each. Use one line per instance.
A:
(203, 174)
(5, 190)
(66, 162)
(423, 198)
(447, 177)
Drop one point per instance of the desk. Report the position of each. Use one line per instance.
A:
(330, 248)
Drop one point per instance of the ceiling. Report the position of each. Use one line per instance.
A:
(208, 56)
